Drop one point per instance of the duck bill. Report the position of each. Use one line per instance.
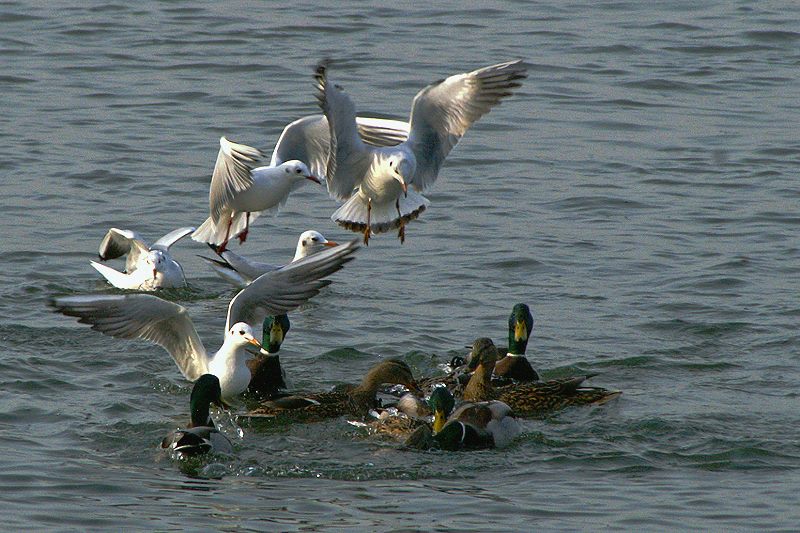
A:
(439, 419)
(520, 332)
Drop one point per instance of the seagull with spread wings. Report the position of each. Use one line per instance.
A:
(382, 183)
(167, 324)
(240, 190)
(147, 268)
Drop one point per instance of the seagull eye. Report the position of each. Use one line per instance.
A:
(304, 243)
(391, 163)
(241, 332)
(297, 171)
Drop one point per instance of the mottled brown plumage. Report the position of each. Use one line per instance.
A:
(529, 399)
(355, 402)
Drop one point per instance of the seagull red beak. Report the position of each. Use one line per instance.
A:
(330, 243)
(313, 178)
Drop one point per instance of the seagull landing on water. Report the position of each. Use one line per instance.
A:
(240, 271)
(240, 191)
(167, 324)
(147, 268)
(382, 184)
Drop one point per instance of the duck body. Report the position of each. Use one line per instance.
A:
(514, 365)
(471, 426)
(529, 399)
(356, 401)
(201, 436)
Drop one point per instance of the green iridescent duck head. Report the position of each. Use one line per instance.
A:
(442, 403)
(520, 327)
(206, 391)
(275, 330)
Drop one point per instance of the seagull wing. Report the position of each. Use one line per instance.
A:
(171, 238)
(280, 291)
(119, 242)
(308, 139)
(142, 316)
(349, 158)
(231, 174)
(443, 111)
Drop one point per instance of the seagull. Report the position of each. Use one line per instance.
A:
(147, 268)
(240, 271)
(167, 324)
(382, 184)
(240, 191)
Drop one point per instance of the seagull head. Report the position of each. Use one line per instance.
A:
(311, 242)
(402, 169)
(156, 260)
(299, 170)
(242, 335)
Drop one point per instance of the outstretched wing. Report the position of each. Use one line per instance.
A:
(171, 238)
(443, 111)
(231, 174)
(349, 158)
(280, 291)
(308, 139)
(142, 316)
(119, 242)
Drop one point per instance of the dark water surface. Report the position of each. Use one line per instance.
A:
(640, 192)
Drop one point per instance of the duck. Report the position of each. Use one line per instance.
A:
(241, 190)
(267, 377)
(470, 426)
(355, 401)
(147, 317)
(514, 365)
(529, 399)
(240, 271)
(147, 268)
(397, 421)
(381, 185)
(201, 436)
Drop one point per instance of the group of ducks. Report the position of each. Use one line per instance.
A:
(378, 167)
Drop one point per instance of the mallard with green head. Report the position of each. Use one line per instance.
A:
(201, 436)
(267, 376)
(515, 365)
(529, 399)
(356, 401)
(473, 425)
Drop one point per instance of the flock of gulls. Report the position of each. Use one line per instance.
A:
(379, 168)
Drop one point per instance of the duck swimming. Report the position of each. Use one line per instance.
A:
(201, 435)
(529, 399)
(267, 377)
(355, 401)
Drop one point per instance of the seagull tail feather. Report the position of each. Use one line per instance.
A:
(383, 217)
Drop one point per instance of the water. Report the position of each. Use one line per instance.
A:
(639, 192)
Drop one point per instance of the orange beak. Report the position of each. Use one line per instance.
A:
(330, 243)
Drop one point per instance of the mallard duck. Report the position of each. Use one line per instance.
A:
(355, 402)
(201, 436)
(529, 399)
(473, 425)
(511, 368)
(514, 365)
(399, 420)
(267, 376)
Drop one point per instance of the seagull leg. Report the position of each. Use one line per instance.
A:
(401, 233)
(222, 247)
(368, 229)
(243, 235)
